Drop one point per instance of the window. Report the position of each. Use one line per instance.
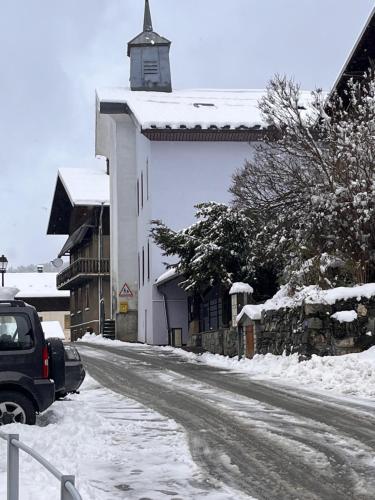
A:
(78, 297)
(143, 266)
(138, 196)
(15, 332)
(147, 181)
(73, 302)
(148, 261)
(66, 322)
(139, 272)
(87, 297)
(142, 189)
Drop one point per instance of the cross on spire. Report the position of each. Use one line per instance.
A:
(147, 24)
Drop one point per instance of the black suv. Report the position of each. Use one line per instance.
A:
(31, 369)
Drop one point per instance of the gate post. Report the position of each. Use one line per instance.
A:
(65, 494)
(12, 468)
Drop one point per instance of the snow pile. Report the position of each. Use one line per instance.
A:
(92, 338)
(312, 294)
(116, 448)
(241, 288)
(352, 374)
(53, 330)
(345, 316)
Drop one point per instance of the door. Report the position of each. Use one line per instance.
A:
(250, 344)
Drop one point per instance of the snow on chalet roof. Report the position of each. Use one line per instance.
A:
(231, 109)
(35, 285)
(86, 186)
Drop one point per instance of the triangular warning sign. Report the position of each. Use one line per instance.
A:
(125, 291)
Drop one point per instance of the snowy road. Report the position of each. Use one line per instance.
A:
(267, 441)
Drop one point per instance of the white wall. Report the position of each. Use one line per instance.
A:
(181, 174)
(187, 173)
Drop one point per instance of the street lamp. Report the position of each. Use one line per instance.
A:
(3, 268)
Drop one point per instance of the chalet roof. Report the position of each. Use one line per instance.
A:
(361, 57)
(89, 187)
(188, 109)
(35, 285)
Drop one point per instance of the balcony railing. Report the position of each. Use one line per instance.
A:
(80, 270)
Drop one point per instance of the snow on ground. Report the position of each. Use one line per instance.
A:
(352, 374)
(116, 447)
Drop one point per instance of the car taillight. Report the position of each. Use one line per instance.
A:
(45, 358)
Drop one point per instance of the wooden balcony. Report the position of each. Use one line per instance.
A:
(80, 271)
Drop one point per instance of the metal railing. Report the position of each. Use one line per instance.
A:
(67, 489)
(85, 267)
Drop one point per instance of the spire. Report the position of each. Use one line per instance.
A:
(147, 24)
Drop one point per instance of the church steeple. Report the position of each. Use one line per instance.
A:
(149, 59)
(147, 23)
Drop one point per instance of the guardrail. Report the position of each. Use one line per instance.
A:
(67, 489)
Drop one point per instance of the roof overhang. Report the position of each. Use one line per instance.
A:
(361, 57)
(196, 134)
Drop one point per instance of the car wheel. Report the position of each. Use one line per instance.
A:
(15, 408)
(61, 395)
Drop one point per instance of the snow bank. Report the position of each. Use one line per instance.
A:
(352, 374)
(345, 316)
(92, 338)
(53, 329)
(241, 288)
(312, 294)
(116, 448)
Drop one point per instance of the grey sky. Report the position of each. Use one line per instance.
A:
(54, 54)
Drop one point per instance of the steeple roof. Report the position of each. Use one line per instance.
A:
(148, 37)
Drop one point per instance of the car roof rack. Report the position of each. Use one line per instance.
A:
(13, 303)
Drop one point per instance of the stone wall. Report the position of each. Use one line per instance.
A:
(224, 341)
(310, 329)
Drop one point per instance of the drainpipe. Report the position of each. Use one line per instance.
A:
(166, 315)
(100, 277)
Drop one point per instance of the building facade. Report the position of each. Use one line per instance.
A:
(167, 150)
(80, 210)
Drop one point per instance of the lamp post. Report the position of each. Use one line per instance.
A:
(3, 268)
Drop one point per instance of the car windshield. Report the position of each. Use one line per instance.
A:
(15, 332)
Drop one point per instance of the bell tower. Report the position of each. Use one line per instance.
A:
(149, 59)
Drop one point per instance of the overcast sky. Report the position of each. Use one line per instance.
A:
(54, 54)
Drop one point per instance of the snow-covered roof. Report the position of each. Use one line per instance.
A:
(241, 288)
(167, 276)
(53, 330)
(35, 285)
(86, 186)
(222, 109)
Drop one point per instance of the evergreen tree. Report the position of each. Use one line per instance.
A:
(216, 250)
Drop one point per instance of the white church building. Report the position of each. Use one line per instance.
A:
(167, 151)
